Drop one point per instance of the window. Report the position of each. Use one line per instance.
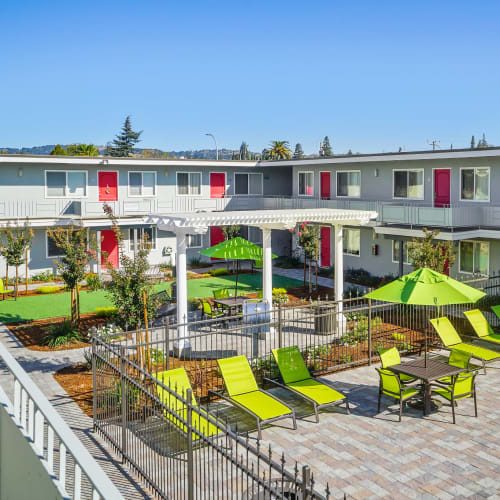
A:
(349, 184)
(66, 183)
(188, 183)
(474, 257)
(250, 233)
(395, 252)
(408, 184)
(247, 184)
(52, 249)
(194, 241)
(306, 180)
(146, 235)
(351, 242)
(475, 184)
(142, 183)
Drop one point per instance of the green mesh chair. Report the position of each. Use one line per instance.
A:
(390, 385)
(390, 357)
(463, 386)
(451, 340)
(457, 358)
(5, 291)
(296, 378)
(207, 311)
(221, 293)
(177, 380)
(244, 393)
(481, 326)
(496, 310)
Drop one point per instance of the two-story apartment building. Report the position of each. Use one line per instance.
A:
(456, 191)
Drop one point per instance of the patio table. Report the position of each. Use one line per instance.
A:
(433, 371)
(234, 304)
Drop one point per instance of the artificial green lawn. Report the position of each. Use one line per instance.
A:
(51, 306)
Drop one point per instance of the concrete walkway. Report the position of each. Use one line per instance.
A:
(41, 366)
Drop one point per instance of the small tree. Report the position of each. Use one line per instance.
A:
(77, 256)
(59, 151)
(244, 154)
(82, 150)
(13, 246)
(230, 232)
(426, 252)
(124, 143)
(326, 148)
(130, 281)
(298, 153)
(308, 239)
(473, 143)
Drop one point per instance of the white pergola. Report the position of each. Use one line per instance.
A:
(198, 223)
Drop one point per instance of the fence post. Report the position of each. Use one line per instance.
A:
(93, 331)
(190, 458)
(306, 478)
(123, 391)
(280, 328)
(167, 347)
(369, 332)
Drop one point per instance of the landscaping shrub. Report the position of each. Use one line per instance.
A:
(44, 277)
(49, 289)
(193, 304)
(109, 332)
(93, 282)
(280, 296)
(61, 334)
(222, 271)
(353, 292)
(287, 262)
(105, 312)
(87, 355)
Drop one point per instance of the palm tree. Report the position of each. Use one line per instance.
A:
(279, 150)
(83, 150)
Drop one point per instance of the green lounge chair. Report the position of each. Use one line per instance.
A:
(177, 381)
(244, 393)
(451, 340)
(390, 357)
(5, 291)
(457, 358)
(296, 378)
(496, 310)
(481, 326)
(462, 386)
(390, 385)
(208, 311)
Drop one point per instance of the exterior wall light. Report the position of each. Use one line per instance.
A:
(20, 172)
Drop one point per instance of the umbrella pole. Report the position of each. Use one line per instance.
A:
(236, 283)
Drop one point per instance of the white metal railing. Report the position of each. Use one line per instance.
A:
(68, 463)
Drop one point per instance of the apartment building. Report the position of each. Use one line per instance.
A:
(455, 191)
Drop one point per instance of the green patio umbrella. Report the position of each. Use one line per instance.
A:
(236, 249)
(426, 287)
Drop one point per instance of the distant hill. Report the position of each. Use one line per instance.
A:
(207, 154)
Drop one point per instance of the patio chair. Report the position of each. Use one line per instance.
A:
(208, 311)
(451, 340)
(296, 378)
(177, 381)
(221, 293)
(5, 291)
(481, 326)
(390, 385)
(457, 358)
(244, 393)
(390, 357)
(463, 386)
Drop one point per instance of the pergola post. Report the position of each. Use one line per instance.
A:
(339, 265)
(182, 345)
(267, 267)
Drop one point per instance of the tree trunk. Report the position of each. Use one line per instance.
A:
(310, 280)
(7, 275)
(305, 264)
(77, 304)
(17, 278)
(26, 262)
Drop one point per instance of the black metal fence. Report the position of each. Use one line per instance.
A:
(177, 458)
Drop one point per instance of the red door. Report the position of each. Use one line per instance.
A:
(325, 185)
(217, 185)
(325, 246)
(441, 187)
(216, 236)
(109, 245)
(108, 186)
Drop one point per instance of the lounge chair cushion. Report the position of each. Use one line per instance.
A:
(317, 391)
(446, 331)
(479, 322)
(478, 352)
(496, 310)
(238, 376)
(291, 364)
(262, 405)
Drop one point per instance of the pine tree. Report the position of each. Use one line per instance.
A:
(298, 153)
(326, 148)
(244, 155)
(58, 151)
(483, 143)
(349, 152)
(125, 141)
(473, 143)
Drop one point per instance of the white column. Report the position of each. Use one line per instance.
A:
(181, 346)
(339, 265)
(267, 268)
(98, 257)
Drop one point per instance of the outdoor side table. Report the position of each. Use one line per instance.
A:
(433, 371)
(234, 304)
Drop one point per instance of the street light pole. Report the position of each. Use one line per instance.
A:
(216, 149)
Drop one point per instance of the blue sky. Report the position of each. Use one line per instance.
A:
(372, 76)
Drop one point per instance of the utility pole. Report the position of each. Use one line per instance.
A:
(216, 148)
(434, 143)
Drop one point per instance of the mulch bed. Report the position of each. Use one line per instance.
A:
(76, 380)
(32, 334)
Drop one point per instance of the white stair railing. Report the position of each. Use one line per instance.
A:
(70, 466)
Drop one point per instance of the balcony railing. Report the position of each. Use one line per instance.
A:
(413, 214)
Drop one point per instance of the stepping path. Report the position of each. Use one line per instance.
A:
(41, 366)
